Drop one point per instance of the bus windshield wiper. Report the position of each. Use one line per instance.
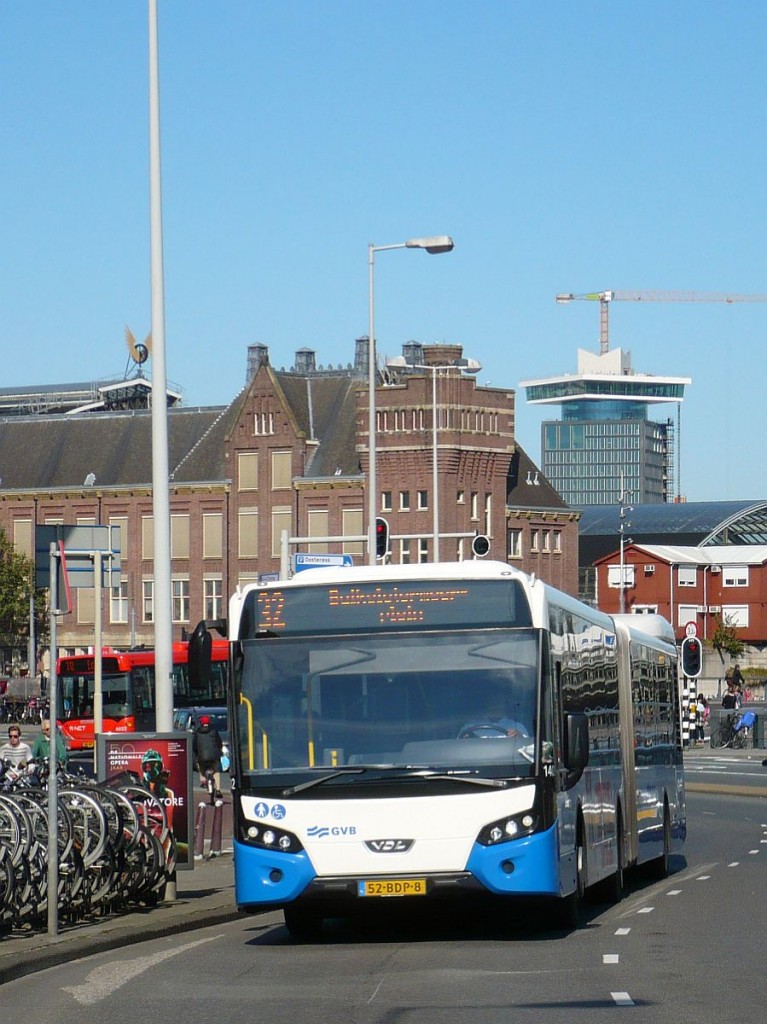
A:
(473, 780)
(310, 783)
(427, 774)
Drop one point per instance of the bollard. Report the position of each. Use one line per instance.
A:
(199, 830)
(217, 828)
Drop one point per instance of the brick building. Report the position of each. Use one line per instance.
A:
(289, 453)
(701, 585)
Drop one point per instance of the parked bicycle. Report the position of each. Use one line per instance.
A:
(733, 730)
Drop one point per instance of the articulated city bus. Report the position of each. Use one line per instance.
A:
(128, 689)
(427, 731)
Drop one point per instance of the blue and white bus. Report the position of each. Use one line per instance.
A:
(426, 731)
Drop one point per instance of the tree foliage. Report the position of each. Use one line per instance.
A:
(17, 580)
(726, 640)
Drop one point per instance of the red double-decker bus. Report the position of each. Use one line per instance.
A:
(128, 690)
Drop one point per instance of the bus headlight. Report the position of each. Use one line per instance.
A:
(513, 827)
(269, 838)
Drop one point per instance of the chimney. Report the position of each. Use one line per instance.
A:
(257, 354)
(305, 361)
(361, 349)
(442, 354)
(412, 352)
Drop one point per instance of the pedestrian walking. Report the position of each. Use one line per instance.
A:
(41, 748)
(207, 746)
(14, 750)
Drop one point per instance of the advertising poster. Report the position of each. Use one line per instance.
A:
(163, 763)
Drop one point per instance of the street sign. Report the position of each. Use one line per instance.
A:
(79, 544)
(691, 629)
(302, 560)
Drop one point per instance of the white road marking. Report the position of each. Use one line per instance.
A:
(734, 864)
(673, 892)
(623, 931)
(752, 852)
(106, 979)
(622, 999)
(702, 878)
(646, 910)
(609, 958)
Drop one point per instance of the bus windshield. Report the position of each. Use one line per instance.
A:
(439, 700)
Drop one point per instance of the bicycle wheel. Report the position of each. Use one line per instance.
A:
(89, 821)
(716, 739)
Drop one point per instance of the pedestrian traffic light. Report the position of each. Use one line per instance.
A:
(692, 657)
(480, 545)
(382, 538)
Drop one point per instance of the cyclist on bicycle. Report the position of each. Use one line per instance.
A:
(207, 746)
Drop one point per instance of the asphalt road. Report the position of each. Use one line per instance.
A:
(690, 948)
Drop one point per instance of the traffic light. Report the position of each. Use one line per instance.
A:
(382, 538)
(480, 545)
(692, 657)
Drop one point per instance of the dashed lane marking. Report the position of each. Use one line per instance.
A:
(622, 999)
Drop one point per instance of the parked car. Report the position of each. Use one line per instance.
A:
(186, 719)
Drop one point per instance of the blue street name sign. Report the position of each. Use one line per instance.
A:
(302, 561)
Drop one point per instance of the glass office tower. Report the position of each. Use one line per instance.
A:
(605, 443)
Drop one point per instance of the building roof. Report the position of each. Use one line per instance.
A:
(42, 452)
(737, 554)
(696, 523)
(528, 488)
(605, 376)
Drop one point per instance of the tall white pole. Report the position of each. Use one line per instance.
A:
(434, 466)
(163, 632)
(53, 791)
(372, 482)
(98, 689)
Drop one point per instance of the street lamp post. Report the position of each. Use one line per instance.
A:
(624, 509)
(435, 245)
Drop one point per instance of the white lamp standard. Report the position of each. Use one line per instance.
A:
(624, 509)
(436, 245)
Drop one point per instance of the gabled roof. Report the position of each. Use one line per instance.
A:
(325, 408)
(41, 452)
(528, 488)
(736, 554)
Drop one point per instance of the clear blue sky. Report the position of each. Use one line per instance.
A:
(566, 146)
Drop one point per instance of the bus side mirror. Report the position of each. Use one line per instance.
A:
(199, 658)
(576, 744)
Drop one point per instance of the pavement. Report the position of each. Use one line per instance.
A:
(205, 897)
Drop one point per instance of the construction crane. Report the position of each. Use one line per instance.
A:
(605, 298)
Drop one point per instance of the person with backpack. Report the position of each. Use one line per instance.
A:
(207, 746)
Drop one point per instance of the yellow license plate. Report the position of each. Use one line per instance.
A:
(392, 887)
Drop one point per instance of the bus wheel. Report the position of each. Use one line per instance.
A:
(302, 923)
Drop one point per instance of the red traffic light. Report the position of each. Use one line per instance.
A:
(692, 657)
(382, 538)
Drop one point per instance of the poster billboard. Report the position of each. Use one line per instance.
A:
(163, 763)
